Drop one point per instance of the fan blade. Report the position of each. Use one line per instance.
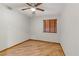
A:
(38, 4)
(29, 4)
(39, 9)
(25, 8)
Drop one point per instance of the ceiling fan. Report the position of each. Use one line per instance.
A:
(33, 7)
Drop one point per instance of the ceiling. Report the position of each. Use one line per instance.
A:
(50, 8)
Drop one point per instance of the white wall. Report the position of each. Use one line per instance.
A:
(13, 27)
(36, 32)
(70, 29)
(3, 28)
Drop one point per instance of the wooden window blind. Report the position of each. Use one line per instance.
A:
(50, 25)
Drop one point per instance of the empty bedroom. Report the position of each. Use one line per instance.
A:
(39, 29)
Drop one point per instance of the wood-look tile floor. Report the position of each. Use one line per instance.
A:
(34, 48)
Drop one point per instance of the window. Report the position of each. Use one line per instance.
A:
(50, 26)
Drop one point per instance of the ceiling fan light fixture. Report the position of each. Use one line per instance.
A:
(33, 9)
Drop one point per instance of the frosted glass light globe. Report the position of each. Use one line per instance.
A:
(33, 9)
